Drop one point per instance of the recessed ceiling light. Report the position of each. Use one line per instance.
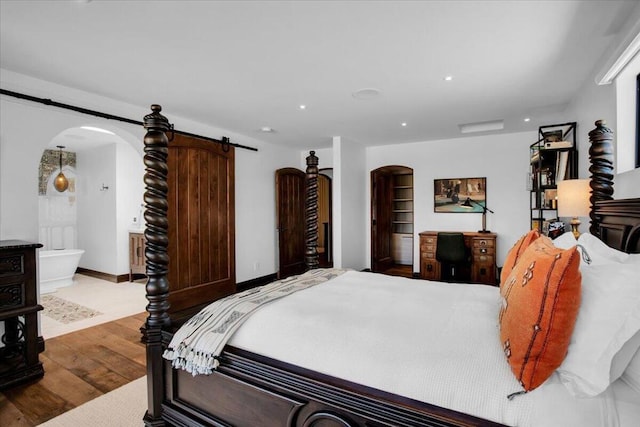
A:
(266, 129)
(302, 106)
(403, 124)
(447, 78)
(527, 119)
(366, 93)
(95, 129)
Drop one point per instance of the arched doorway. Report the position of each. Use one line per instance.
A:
(103, 201)
(392, 220)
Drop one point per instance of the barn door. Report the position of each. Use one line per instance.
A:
(201, 221)
(290, 196)
(381, 193)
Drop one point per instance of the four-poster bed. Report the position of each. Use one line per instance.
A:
(251, 389)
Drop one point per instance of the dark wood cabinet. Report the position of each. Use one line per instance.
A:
(19, 355)
(481, 246)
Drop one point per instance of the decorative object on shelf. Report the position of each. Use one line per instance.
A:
(601, 157)
(61, 183)
(553, 159)
(449, 195)
(573, 198)
(556, 228)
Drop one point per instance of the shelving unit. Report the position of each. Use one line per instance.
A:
(553, 158)
(402, 219)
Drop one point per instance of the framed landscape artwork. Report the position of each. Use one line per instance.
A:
(460, 195)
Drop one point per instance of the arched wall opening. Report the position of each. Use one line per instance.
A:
(104, 199)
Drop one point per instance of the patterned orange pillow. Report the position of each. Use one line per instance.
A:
(540, 304)
(515, 252)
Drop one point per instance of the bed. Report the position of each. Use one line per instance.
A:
(270, 374)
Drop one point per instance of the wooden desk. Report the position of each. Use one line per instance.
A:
(482, 247)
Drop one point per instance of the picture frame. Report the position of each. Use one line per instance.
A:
(460, 195)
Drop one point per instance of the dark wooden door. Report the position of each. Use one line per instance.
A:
(290, 195)
(201, 221)
(381, 194)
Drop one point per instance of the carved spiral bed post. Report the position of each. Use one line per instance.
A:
(601, 158)
(155, 215)
(311, 212)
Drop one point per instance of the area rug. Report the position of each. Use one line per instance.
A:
(65, 311)
(122, 407)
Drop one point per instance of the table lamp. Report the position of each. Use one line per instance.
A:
(573, 201)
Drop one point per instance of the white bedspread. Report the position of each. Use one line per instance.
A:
(429, 341)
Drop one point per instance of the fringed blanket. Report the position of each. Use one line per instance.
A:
(196, 346)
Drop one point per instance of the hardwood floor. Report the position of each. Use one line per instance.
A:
(78, 367)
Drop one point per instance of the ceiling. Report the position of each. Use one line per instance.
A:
(245, 65)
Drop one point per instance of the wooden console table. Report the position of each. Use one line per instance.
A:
(19, 357)
(482, 247)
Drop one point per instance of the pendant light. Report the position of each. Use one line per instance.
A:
(61, 183)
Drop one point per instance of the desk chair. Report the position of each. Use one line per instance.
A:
(453, 256)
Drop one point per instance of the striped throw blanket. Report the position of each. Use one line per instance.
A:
(196, 346)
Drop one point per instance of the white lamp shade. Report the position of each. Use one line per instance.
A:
(573, 197)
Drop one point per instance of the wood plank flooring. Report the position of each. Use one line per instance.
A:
(78, 367)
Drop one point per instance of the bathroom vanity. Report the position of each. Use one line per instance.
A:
(21, 345)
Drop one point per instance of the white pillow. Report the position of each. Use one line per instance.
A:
(631, 375)
(565, 241)
(609, 317)
(599, 252)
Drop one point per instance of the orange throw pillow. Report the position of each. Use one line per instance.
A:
(541, 298)
(515, 252)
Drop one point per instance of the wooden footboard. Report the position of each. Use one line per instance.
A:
(252, 390)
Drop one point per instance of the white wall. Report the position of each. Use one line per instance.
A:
(97, 214)
(502, 159)
(256, 234)
(595, 102)
(28, 127)
(129, 188)
(625, 85)
(627, 181)
(349, 204)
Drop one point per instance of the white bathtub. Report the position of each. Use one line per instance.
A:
(57, 268)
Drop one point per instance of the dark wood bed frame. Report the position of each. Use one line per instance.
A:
(252, 390)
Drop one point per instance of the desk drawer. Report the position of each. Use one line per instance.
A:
(483, 243)
(428, 245)
(484, 259)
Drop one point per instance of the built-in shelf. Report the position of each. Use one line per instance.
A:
(402, 218)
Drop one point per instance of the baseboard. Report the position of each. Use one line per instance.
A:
(104, 276)
(258, 281)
